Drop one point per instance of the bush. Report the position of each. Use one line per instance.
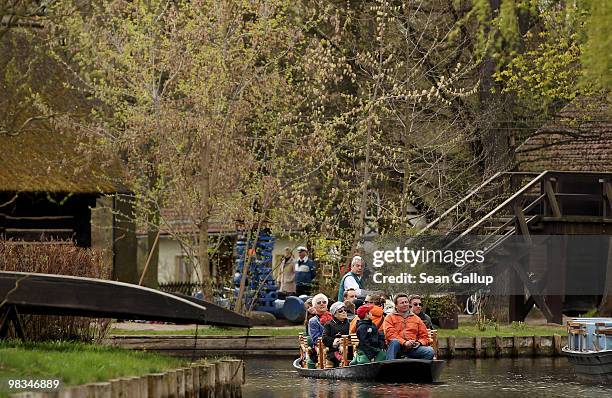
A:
(440, 306)
(57, 258)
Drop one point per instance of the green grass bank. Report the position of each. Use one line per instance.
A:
(75, 363)
(467, 330)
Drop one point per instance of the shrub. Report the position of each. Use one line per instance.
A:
(444, 306)
(61, 258)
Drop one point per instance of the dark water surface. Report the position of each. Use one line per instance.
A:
(462, 378)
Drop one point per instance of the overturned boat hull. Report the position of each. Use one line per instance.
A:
(48, 294)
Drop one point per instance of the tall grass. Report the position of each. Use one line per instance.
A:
(56, 258)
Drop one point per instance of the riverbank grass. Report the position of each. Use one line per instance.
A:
(75, 363)
(468, 330)
(215, 331)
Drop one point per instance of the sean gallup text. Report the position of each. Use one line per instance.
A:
(457, 278)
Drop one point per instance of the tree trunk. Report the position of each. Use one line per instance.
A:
(364, 197)
(493, 137)
(203, 232)
(405, 201)
(150, 277)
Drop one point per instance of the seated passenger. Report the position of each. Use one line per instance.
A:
(333, 331)
(350, 294)
(310, 312)
(350, 309)
(311, 354)
(377, 313)
(315, 324)
(405, 333)
(416, 306)
(371, 340)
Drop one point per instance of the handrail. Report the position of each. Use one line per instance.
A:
(465, 198)
(505, 203)
(474, 192)
(537, 178)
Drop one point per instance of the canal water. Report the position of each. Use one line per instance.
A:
(462, 378)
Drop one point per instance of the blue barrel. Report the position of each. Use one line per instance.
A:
(278, 305)
(293, 309)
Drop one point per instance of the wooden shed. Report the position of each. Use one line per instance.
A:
(49, 190)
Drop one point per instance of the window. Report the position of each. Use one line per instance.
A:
(184, 269)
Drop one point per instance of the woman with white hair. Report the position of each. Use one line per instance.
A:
(315, 324)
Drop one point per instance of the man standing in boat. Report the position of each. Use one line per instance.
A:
(405, 333)
(353, 279)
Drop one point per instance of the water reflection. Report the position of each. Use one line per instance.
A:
(533, 378)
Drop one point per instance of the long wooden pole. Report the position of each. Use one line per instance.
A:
(151, 251)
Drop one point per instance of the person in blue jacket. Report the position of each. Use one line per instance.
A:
(305, 272)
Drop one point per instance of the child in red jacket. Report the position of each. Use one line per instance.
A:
(371, 340)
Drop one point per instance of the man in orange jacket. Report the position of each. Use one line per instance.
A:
(405, 333)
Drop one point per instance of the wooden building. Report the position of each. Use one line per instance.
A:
(561, 190)
(50, 191)
(578, 140)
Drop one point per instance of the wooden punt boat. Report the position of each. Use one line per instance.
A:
(395, 371)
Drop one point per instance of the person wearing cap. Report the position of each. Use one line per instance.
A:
(377, 316)
(405, 333)
(334, 330)
(371, 340)
(305, 272)
(315, 324)
(353, 279)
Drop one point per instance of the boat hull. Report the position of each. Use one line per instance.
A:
(396, 371)
(47, 294)
(592, 366)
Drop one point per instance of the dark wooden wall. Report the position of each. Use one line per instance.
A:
(125, 263)
(37, 216)
(34, 217)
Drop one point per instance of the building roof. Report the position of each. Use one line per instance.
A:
(47, 161)
(578, 139)
(174, 221)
